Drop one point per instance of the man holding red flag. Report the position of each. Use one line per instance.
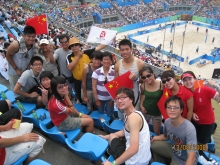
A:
(19, 55)
(129, 63)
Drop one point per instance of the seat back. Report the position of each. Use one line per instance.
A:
(53, 133)
(3, 88)
(115, 126)
(10, 96)
(20, 161)
(82, 109)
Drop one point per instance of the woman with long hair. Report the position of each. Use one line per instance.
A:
(45, 79)
(62, 112)
(151, 92)
(203, 116)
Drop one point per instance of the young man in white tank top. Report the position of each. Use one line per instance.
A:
(129, 63)
(136, 150)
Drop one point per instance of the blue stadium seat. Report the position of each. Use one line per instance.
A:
(81, 108)
(57, 135)
(115, 126)
(157, 163)
(214, 157)
(3, 88)
(89, 146)
(20, 161)
(28, 108)
(38, 162)
(40, 113)
(96, 116)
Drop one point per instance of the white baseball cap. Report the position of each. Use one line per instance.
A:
(44, 41)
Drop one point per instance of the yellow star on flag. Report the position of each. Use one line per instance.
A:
(166, 94)
(44, 19)
(110, 86)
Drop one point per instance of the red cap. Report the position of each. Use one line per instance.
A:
(186, 75)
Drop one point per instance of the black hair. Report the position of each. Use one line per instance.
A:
(96, 55)
(125, 42)
(36, 58)
(175, 98)
(146, 68)
(62, 36)
(46, 74)
(53, 84)
(107, 54)
(128, 92)
(29, 30)
(189, 72)
(168, 73)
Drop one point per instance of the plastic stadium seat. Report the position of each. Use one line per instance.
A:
(214, 157)
(115, 126)
(38, 162)
(28, 108)
(89, 146)
(29, 118)
(110, 158)
(3, 88)
(20, 161)
(73, 94)
(57, 135)
(10, 96)
(157, 163)
(96, 116)
(81, 108)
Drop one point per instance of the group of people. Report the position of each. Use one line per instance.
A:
(188, 111)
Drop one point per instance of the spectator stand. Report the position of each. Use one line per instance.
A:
(2, 30)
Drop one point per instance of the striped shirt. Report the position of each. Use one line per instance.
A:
(98, 74)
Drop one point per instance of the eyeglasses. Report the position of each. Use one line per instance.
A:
(120, 98)
(37, 64)
(74, 45)
(172, 108)
(62, 86)
(167, 80)
(106, 80)
(147, 76)
(63, 42)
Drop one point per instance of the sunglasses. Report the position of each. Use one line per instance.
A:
(62, 86)
(106, 80)
(167, 80)
(147, 76)
(74, 45)
(63, 42)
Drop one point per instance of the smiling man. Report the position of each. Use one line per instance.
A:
(182, 149)
(20, 53)
(136, 149)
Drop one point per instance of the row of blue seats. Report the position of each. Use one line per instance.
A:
(12, 30)
(4, 31)
(81, 147)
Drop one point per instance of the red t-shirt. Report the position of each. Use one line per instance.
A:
(203, 106)
(183, 93)
(2, 154)
(57, 109)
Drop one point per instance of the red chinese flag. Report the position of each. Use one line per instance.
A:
(161, 102)
(121, 81)
(39, 23)
(199, 84)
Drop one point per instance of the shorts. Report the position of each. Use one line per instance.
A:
(204, 132)
(7, 115)
(27, 99)
(117, 147)
(70, 123)
(157, 119)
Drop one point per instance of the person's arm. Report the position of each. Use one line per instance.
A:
(216, 86)
(17, 90)
(189, 103)
(100, 47)
(8, 142)
(191, 158)
(85, 72)
(94, 89)
(12, 49)
(51, 57)
(71, 64)
(116, 69)
(160, 137)
(142, 99)
(134, 128)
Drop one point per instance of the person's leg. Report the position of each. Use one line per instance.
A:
(101, 108)
(87, 124)
(12, 81)
(91, 100)
(156, 120)
(109, 110)
(161, 155)
(5, 105)
(32, 149)
(77, 86)
(9, 115)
